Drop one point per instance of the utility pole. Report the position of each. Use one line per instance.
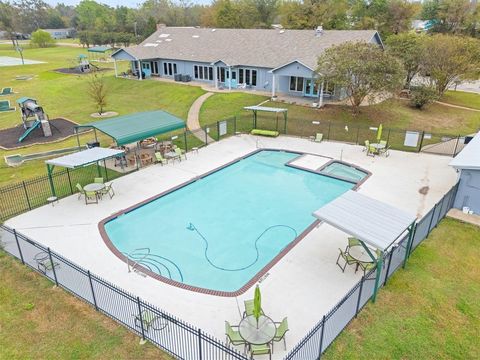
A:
(20, 50)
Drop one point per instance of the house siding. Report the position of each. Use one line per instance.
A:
(468, 193)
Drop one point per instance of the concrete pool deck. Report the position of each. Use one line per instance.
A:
(304, 285)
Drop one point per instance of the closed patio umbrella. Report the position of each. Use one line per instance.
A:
(379, 132)
(257, 304)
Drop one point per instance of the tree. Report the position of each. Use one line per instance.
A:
(448, 58)
(32, 15)
(98, 91)
(422, 95)
(407, 47)
(363, 69)
(42, 39)
(7, 20)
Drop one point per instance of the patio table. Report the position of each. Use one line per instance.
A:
(359, 253)
(257, 334)
(172, 155)
(96, 187)
(378, 146)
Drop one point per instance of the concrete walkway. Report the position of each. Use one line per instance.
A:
(468, 218)
(457, 106)
(193, 118)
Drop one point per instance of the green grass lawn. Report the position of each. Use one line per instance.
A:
(430, 310)
(462, 98)
(38, 321)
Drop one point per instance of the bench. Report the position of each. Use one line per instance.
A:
(270, 133)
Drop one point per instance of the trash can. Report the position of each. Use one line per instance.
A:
(92, 144)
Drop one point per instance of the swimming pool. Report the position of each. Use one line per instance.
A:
(217, 234)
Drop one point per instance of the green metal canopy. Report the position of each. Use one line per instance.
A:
(99, 49)
(138, 126)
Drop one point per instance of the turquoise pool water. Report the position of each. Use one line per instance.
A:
(220, 231)
(344, 171)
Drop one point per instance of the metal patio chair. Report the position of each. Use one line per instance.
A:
(282, 328)
(233, 336)
(347, 258)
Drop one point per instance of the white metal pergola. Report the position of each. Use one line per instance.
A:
(371, 221)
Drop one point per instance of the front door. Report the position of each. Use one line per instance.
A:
(311, 88)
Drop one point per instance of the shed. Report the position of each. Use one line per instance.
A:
(373, 222)
(467, 164)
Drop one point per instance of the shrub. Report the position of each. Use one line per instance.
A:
(42, 39)
(422, 95)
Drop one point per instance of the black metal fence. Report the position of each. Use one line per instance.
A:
(168, 332)
(332, 324)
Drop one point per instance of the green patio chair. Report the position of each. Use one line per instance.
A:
(353, 242)
(386, 149)
(6, 91)
(160, 159)
(91, 197)
(108, 190)
(149, 320)
(370, 150)
(318, 137)
(5, 106)
(44, 264)
(367, 266)
(260, 350)
(282, 328)
(347, 258)
(249, 308)
(98, 180)
(233, 336)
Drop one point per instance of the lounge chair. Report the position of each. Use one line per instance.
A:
(98, 180)
(80, 190)
(108, 189)
(160, 159)
(282, 328)
(260, 350)
(233, 336)
(5, 106)
(261, 132)
(149, 320)
(44, 264)
(249, 308)
(347, 258)
(318, 137)
(6, 91)
(180, 153)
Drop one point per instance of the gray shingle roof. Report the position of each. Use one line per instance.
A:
(249, 47)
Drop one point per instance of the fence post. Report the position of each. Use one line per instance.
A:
(218, 130)
(206, 135)
(358, 133)
(200, 344)
(93, 292)
(321, 338)
(388, 267)
(53, 266)
(26, 195)
(359, 295)
(421, 142)
(388, 136)
(141, 318)
(431, 220)
(18, 245)
(185, 140)
(69, 181)
(456, 145)
(328, 134)
(234, 125)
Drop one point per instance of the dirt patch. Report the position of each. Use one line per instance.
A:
(61, 129)
(76, 71)
(105, 114)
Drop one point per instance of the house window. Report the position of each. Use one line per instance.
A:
(247, 76)
(203, 72)
(240, 76)
(296, 83)
(221, 74)
(254, 78)
(169, 68)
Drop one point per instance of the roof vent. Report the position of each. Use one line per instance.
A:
(213, 30)
(163, 35)
(168, 40)
(195, 36)
(281, 31)
(319, 30)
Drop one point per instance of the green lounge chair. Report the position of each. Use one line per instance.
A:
(6, 91)
(270, 133)
(180, 153)
(160, 159)
(347, 258)
(5, 106)
(249, 308)
(260, 350)
(318, 137)
(280, 333)
(233, 336)
(108, 189)
(98, 180)
(80, 190)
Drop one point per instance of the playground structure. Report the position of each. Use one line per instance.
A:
(33, 117)
(84, 65)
